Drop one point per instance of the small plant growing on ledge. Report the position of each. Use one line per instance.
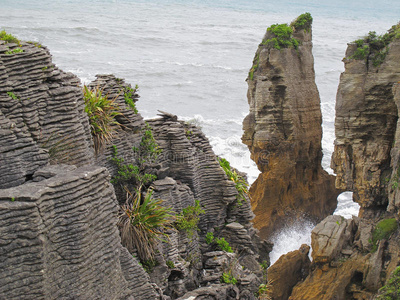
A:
(228, 278)
(240, 184)
(142, 222)
(189, 218)
(129, 173)
(221, 243)
(383, 230)
(170, 264)
(128, 97)
(14, 51)
(148, 150)
(8, 38)
(264, 291)
(256, 63)
(13, 96)
(101, 112)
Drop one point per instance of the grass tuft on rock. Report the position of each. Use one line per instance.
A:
(383, 230)
(143, 222)
(101, 112)
(9, 38)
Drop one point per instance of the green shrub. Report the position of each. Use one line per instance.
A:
(102, 113)
(129, 173)
(240, 184)
(170, 264)
(149, 265)
(256, 63)
(361, 53)
(223, 245)
(264, 291)
(209, 238)
(189, 218)
(383, 230)
(375, 46)
(228, 278)
(128, 97)
(282, 37)
(392, 289)
(148, 150)
(303, 21)
(14, 51)
(13, 96)
(8, 38)
(142, 222)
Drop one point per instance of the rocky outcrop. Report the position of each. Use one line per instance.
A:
(60, 240)
(58, 210)
(352, 259)
(365, 126)
(287, 271)
(345, 266)
(283, 132)
(41, 105)
(331, 236)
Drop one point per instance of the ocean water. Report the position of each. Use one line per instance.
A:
(191, 58)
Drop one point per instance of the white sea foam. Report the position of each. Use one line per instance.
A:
(346, 206)
(290, 238)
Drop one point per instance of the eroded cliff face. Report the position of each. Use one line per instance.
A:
(283, 132)
(354, 258)
(365, 126)
(59, 211)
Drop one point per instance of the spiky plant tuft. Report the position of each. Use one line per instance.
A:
(143, 222)
(102, 112)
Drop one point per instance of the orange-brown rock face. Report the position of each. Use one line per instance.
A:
(365, 125)
(283, 132)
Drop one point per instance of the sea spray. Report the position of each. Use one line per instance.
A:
(290, 238)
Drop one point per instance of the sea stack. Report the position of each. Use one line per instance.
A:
(283, 130)
(366, 120)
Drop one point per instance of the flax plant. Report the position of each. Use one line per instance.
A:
(143, 222)
(102, 112)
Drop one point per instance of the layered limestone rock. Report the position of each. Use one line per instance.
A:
(365, 126)
(283, 132)
(187, 170)
(60, 240)
(42, 105)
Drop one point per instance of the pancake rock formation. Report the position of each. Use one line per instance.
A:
(283, 130)
(359, 258)
(61, 197)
